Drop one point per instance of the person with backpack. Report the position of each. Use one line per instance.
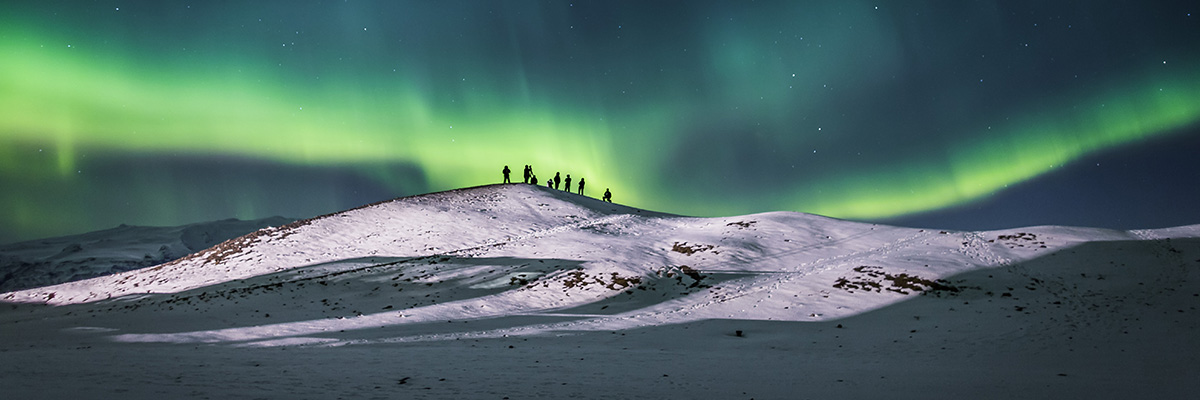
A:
(581, 186)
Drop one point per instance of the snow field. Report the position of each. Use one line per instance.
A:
(520, 291)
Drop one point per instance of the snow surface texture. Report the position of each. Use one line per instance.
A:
(521, 291)
(52, 261)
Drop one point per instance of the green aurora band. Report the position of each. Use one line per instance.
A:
(73, 100)
(1035, 144)
(77, 100)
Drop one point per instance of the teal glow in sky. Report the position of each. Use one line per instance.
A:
(165, 112)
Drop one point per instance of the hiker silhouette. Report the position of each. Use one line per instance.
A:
(568, 183)
(581, 181)
(556, 180)
(528, 173)
(607, 195)
(506, 171)
(533, 179)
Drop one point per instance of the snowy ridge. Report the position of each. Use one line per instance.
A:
(438, 223)
(774, 255)
(511, 265)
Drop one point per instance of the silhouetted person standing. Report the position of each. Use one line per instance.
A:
(581, 186)
(557, 180)
(506, 171)
(528, 173)
(533, 179)
(607, 195)
(568, 183)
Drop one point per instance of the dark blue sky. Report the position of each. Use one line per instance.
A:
(954, 114)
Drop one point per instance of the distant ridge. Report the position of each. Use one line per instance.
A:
(50, 261)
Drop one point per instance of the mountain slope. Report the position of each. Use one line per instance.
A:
(500, 290)
(488, 237)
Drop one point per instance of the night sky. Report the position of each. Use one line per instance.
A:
(951, 114)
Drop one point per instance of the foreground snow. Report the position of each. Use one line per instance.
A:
(523, 291)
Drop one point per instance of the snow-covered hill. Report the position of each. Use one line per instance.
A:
(523, 291)
(51, 261)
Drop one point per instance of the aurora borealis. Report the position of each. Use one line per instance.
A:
(171, 112)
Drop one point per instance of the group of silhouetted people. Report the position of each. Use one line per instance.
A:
(553, 183)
